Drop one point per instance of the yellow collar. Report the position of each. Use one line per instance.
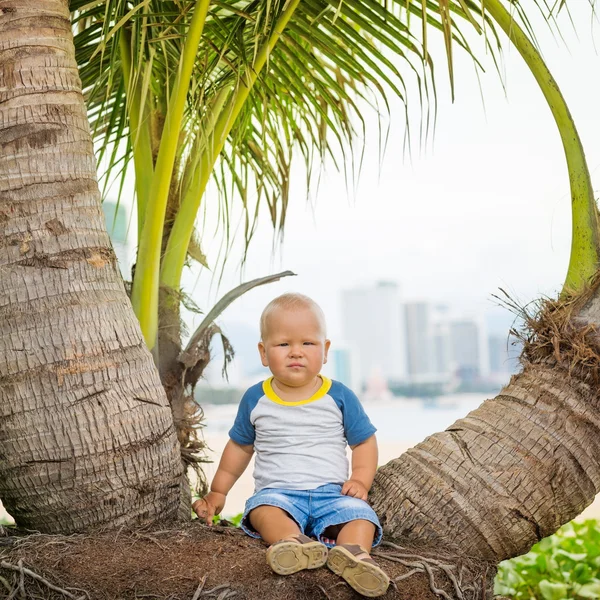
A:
(271, 395)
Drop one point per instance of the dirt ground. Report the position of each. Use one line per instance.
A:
(195, 562)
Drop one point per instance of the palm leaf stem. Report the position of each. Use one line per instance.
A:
(585, 243)
(144, 296)
(139, 132)
(191, 173)
(176, 251)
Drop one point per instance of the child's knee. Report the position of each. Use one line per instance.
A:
(361, 524)
(359, 531)
(260, 514)
(366, 525)
(365, 529)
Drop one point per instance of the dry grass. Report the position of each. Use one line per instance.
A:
(554, 333)
(194, 561)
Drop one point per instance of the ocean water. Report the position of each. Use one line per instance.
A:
(397, 419)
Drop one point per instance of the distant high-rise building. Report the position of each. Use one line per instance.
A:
(428, 347)
(498, 348)
(373, 324)
(442, 348)
(504, 351)
(466, 349)
(419, 339)
(342, 364)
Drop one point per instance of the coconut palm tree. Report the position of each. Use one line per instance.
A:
(86, 432)
(84, 427)
(186, 91)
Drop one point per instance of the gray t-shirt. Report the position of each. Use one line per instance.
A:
(300, 445)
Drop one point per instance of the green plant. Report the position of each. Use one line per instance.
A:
(235, 520)
(564, 565)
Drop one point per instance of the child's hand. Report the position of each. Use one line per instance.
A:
(206, 508)
(355, 489)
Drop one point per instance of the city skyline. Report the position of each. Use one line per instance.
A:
(377, 317)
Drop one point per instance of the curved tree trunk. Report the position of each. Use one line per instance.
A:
(516, 468)
(86, 433)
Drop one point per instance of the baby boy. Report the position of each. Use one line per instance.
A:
(299, 423)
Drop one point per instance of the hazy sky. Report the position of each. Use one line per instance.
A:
(486, 205)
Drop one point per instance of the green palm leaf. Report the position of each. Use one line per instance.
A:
(332, 61)
(367, 43)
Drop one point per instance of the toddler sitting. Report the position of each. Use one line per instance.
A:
(299, 422)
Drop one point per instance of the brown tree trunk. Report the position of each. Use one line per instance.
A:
(516, 468)
(169, 344)
(171, 377)
(86, 433)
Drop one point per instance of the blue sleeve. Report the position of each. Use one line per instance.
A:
(357, 425)
(242, 431)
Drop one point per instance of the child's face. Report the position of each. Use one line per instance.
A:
(294, 347)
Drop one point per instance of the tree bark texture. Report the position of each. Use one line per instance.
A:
(508, 474)
(86, 432)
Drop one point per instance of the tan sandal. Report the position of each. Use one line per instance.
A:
(286, 557)
(362, 574)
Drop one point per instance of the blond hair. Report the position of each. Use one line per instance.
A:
(291, 301)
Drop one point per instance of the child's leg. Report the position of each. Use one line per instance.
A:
(354, 526)
(357, 532)
(273, 524)
(290, 551)
(351, 560)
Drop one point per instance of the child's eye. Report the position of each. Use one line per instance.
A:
(309, 343)
(284, 344)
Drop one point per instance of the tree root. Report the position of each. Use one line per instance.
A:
(428, 566)
(219, 592)
(20, 584)
(224, 588)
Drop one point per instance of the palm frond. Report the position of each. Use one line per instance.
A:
(335, 60)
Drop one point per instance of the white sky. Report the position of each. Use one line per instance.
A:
(486, 206)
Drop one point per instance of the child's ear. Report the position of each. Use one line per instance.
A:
(327, 344)
(263, 354)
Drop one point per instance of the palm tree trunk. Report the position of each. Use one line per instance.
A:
(86, 433)
(516, 468)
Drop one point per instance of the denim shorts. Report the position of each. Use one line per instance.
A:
(313, 510)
